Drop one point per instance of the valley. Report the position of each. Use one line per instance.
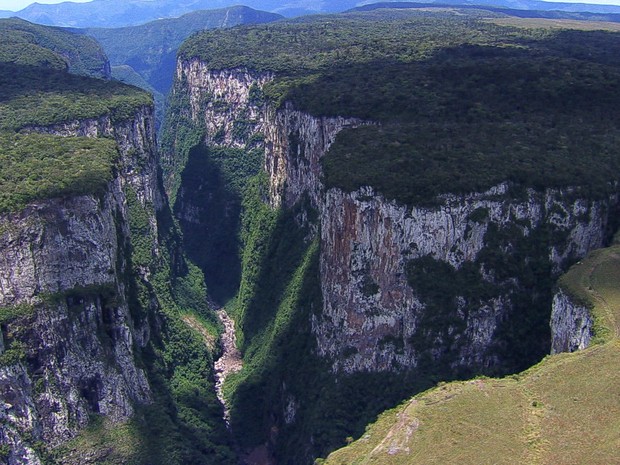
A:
(379, 236)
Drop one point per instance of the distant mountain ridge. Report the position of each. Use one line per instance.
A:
(150, 49)
(119, 13)
(511, 11)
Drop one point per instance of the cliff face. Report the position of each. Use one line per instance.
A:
(372, 311)
(295, 143)
(69, 337)
(227, 103)
(463, 286)
(229, 106)
(571, 324)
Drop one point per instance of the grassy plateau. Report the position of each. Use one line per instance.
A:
(565, 410)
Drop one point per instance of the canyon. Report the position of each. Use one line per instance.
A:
(226, 297)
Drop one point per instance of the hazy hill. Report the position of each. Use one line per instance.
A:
(25, 43)
(116, 13)
(150, 49)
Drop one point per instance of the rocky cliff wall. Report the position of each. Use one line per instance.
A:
(372, 310)
(571, 324)
(228, 104)
(70, 339)
(295, 143)
(373, 314)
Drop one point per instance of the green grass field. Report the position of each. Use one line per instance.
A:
(563, 411)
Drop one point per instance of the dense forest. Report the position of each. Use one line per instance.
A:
(475, 101)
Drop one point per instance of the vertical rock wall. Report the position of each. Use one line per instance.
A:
(69, 337)
(571, 324)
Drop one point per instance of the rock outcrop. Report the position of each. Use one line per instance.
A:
(295, 143)
(571, 324)
(70, 340)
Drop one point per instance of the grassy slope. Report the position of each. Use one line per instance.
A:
(565, 410)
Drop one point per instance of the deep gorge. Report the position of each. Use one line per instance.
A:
(368, 297)
(375, 221)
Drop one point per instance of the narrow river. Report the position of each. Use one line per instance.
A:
(229, 362)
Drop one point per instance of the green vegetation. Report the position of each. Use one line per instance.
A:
(279, 294)
(463, 103)
(184, 423)
(559, 411)
(179, 136)
(10, 313)
(213, 183)
(145, 55)
(305, 48)
(36, 90)
(127, 75)
(37, 166)
(593, 282)
(30, 44)
(14, 353)
(129, 447)
(45, 97)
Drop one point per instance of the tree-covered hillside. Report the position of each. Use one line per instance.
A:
(119, 13)
(25, 43)
(530, 105)
(41, 97)
(41, 166)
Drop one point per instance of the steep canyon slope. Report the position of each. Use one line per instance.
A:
(95, 362)
(398, 192)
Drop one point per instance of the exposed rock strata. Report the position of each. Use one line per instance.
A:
(368, 239)
(72, 338)
(571, 324)
(227, 103)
